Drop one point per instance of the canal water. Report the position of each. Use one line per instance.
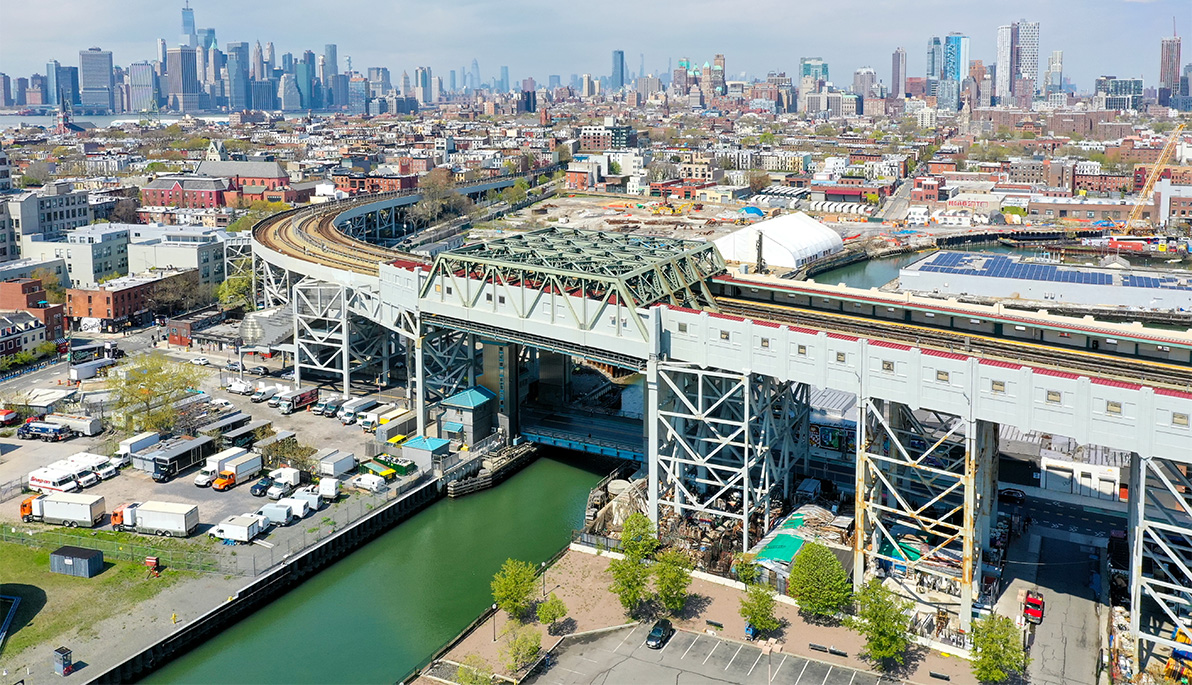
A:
(877, 272)
(383, 610)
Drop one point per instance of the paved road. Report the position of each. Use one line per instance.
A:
(613, 430)
(622, 657)
(896, 206)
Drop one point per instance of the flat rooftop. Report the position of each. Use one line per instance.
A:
(1012, 267)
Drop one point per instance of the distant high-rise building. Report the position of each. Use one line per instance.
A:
(815, 67)
(357, 95)
(935, 60)
(956, 57)
(588, 88)
(5, 91)
(378, 78)
(864, 79)
(53, 90)
(331, 56)
(898, 74)
(718, 85)
(451, 80)
(407, 91)
(528, 84)
(554, 81)
(270, 64)
(422, 85)
(288, 97)
(1006, 66)
(189, 35)
(257, 68)
(183, 79)
(1169, 69)
(264, 95)
(475, 83)
(161, 52)
(95, 79)
(1053, 80)
(142, 87)
(238, 88)
(287, 62)
(206, 38)
(504, 87)
(1028, 51)
(304, 78)
(617, 76)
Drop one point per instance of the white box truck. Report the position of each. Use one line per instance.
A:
(284, 482)
(337, 463)
(300, 506)
(329, 489)
(97, 463)
(64, 508)
(238, 470)
(353, 408)
(278, 514)
(84, 425)
(237, 528)
(310, 495)
(157, 518)
(137, 443)
(370, 419)
(215, 464)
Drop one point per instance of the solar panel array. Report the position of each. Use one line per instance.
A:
(1001, 266)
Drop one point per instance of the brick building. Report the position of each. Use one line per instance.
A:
(356, 182)
(1104, 183)
(1179, 175)
(28, 295)
(120, 302)
(186, 191)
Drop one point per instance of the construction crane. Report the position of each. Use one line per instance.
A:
(1160, 164)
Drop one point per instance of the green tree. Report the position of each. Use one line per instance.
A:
(818, 581)
(672, 577)
(512, 587)
(45, 349)
(236, 291)
(630, 577)
(147, 388)
(766, 138)
(614, 168)
(638, 538)
(758, 180)
(564, 152)
(747, 569)
(757, 608)
(474, 670)
(551, 611)
(52, 283)
(997, 649)
(826, 130)
(521, 647)
(883, 619)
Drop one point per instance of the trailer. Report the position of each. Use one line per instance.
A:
(245, 435)
(215, 464)
(238, 470)
(66, 509)
(138, 443)
(336, 464)
(237, 529)
(83, 425)
(156, 518)
(296, 400)
(91, 369)
(170, 458)
(225, 423)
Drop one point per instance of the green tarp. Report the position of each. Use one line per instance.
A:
(782, 548)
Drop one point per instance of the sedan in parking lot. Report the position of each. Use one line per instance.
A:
(234, 366)
(659, 634)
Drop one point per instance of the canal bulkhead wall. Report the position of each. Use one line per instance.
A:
(272, 584)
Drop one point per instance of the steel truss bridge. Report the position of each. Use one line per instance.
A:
(729, 363)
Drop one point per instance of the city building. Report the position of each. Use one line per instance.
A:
(177, 247)
(1169, 69)
(28, 295)
(121, 302)
(956, 57)
(92, 254)
(616, 80)
(898, 74)
(96, 81)
(20, 332)
(50, 210)
(183, 79)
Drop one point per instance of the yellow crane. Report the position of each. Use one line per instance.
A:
(1160, 164)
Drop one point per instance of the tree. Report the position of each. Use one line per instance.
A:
(638, 539)
(289, 452)
(148, 387)
(757, 608)
(52, 283)
(36, 174)
(629, 582)
(672, 577)
(45, 349)
(825, 130)
(997, 649)
(818, 581)
(564, 152)
(747, 569)
(883, 620)
(551, 611)
(474, 670)
(521, 647)
(236, 291)
(766, 138)
(512, 587)
(758, 180)
(614, 168)
(125, 211)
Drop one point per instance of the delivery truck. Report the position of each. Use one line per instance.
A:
(327, 405)
(284, 482)
(46, 481)
(91, 369)
(352, 409)
(239, 529)
(64, 508)
(138, 443)
(265, 393)
(216, 463)
(369, 420)
(310, 495)
(83, 425)
(329, 489)
(238, 470)
(44, 431)
(157, 518)
(299, 505)
(297, 400)
(335, 463)
(96, 463)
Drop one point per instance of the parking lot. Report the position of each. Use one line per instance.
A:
(621, 656)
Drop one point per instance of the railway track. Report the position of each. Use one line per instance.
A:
(1014, 351)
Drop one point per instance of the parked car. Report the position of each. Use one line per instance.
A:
(659, 634)
(258, 371)
(234, 366)
(221, 402)
(200, 361)
(1033, 606)
(261, 487)
(287, 375)
(1011, 496)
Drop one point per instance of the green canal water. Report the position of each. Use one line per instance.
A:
(383, 610)
(877, 272)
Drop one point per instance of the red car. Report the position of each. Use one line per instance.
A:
(1032, 607)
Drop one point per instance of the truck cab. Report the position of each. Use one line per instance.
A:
(206, 476)
(224, 480)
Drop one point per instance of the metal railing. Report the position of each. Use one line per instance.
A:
(132, 549)
(11, 489)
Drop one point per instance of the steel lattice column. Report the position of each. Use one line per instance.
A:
(1161, 544)
(929, 481)
(721, 443)
(446, 362)
(329, 337)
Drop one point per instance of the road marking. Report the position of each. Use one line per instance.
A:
(712, 652)
(850, 680)
(668, 643)
(775, 673)
(759, 658)
(625, 638)
(690, 646)
(826, 675)
(805, 663)
(587, 659)
(730, 661)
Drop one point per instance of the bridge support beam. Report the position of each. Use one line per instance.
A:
(331, 338)
(1161, 551)
(722, 444)
(924, 498)
(445, 364)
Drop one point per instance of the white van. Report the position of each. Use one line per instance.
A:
(47, 481)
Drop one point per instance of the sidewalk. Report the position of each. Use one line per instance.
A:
(1089, 503)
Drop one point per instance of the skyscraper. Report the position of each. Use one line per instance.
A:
(617, 76)
(257, 70)
(331, 56)
(935, 59)
(239, 90)
(269, 62)
(1169, 68)
(189, 35)
(95, 79)
(864, 79)
(814, 67)
(956, 57)
(504, 87)
(1053, 80)
(475, 83)
(142, 86)
(53, 89)
(183, 79)
(1007, 61)
(898, 74)
(1028, 51)
(288, 97)
(422, 86)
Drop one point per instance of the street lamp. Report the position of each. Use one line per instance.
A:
(544, 580)
(494, 622)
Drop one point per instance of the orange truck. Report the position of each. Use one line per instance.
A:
(64, 508)
(156, 518)
(238, 470)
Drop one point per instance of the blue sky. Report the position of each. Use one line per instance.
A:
(541, 37)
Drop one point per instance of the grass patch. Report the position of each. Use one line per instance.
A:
(53, 604)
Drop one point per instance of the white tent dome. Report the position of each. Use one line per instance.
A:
(790, 241)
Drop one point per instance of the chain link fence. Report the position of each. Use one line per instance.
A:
(11, 489)
(127, 550)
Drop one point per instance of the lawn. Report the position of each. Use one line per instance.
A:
(53, 604)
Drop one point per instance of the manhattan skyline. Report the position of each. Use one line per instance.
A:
(536, 38)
